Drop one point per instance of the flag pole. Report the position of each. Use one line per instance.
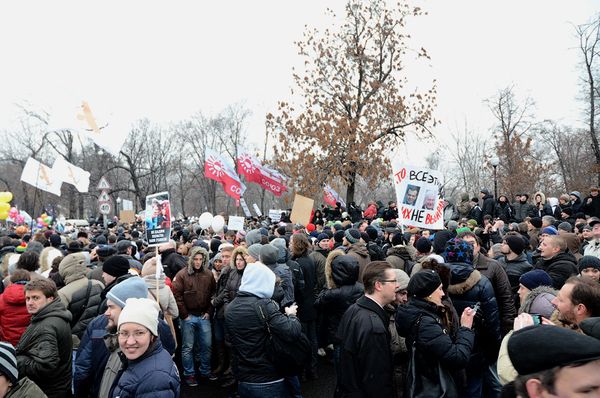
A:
(37, 180)
(158, 271)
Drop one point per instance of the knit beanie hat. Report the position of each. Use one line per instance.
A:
(322, 236)
(116, 266)
(215, 243)
(254, 251)
(352, 235)
(142, 311)
(339, 236)
(423, 283)
(54, 240)
(535, 278)
(372, 232)
(402, 278)
(588, 262)
(397, 239)
(458, 251)
(8, 362)
(133, 287)
(565, 226)
(423, 245)
(253, 237)
(269, 254)
(536, 222)
(35, 246)
(516, 243)
(549, 231)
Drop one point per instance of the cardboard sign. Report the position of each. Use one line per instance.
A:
(301, 210)
(418, 191)
(257, 210)
(158, 218)
(127, 216)
(235, 223)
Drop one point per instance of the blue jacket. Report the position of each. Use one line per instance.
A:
(93, 354)
(154, 374)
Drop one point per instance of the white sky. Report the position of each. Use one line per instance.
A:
(168, 60)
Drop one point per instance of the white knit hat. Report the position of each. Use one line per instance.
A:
(142, 311)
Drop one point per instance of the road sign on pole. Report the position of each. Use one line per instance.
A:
(103, 184)
(103, 198)
(104, 208)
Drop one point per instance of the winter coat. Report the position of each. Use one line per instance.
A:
(504, 211)
(476, 214)
(539, 301)
(365, 364)
(450, 212)
(514, 269)
(154, 374)
(361, 253)
(247, 333)
(219, 298)
(592, 209)
(370, 212)
(45, 351)
(434, 342)
(496, 274)
(306, 303)
(522, 211)
(167, 302)
(538, 208)
(172, 262)
(488, 206)
(319, 257)
(193, 289)
(25, 388)
(560, 268)
(343, 289)
(465, 206)
(14, 317)
(402, 257)
(573, 243)
(232, 280)
(467, 288)
(74, 295)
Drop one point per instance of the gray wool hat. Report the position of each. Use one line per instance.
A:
(254, 251)
(269, 254)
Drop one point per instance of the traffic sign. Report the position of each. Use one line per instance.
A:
(103, 184)
(104, 208)
(103, 198)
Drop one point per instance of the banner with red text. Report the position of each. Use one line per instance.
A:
(254, 171)
(419, 195)
(331, 197)
(218, 169)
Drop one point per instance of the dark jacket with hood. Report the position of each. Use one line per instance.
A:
(284, 288)
(402, 257)
(488, 204)
(193, 289)
(232, 278)
(306, 303)
(365, 365)
(504, 211)
(359, 251)
(493, 270)
(45, 351)
(172, 262)
(560, 268)
(467, 288)
(247, 333)
(592, 209)
(14, 317)
(434, 342)
(343, 289)
(154, 374)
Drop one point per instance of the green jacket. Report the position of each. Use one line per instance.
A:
(25, 388)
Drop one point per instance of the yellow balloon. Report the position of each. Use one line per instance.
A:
(6, 197)
(4, 207)
(3, 215)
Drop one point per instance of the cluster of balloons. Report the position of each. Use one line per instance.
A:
(207, 220)
(44, 220)
(5, 198)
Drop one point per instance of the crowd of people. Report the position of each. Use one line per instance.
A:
(503, 302)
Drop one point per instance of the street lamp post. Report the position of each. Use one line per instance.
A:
(495, 162)
(119, 200)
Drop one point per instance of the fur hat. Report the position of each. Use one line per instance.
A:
(142, 311)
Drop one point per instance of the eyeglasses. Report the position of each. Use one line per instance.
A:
(137, 334)
(387, 280)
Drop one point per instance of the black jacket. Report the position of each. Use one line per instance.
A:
(84, 308)
(365, 357)
(560, 268)
(488, 205)
(434, 342)
(45, 351)
(172, 262)
(248, 336)
(514, 269)
(343, 289)
(504, 211)
(592, 209)
(306, 303)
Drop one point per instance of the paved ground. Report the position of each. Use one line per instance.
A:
(322, 387)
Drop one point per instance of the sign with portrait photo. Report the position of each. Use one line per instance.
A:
(158, 218)
(419, 194)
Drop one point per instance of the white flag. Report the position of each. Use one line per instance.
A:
(71, 174)
(41, 176)
(111, 137)
(159, 266)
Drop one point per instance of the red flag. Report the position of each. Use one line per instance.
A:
(216, 168)
(331, 197)
(254, 171)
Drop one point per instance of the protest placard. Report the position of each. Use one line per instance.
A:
(158, 218)
(301, 210)
(419, 195)
(235, 223)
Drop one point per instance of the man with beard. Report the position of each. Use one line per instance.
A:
(578, 299)
(558, 263)
(97, 363)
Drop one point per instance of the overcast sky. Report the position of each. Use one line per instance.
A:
(168, 60)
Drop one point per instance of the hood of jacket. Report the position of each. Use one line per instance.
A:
(539, 301)
(541, 195)
(150, 281)
(563, 256)
(14, 294)
(72, 267)
(359, 248)
(258, 280)
(462, 278)
(283, 255)
(197, 250)
(54, 308)
(405, 252)
(340, 269)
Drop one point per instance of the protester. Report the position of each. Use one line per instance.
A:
(149, 369)
(11, 385)
(558, 263)
(14, 317)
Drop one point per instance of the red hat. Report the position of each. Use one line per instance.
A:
(310, 227)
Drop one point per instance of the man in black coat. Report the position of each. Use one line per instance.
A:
(556, 261)
(488, 205)
(171, 260)
(365, 360)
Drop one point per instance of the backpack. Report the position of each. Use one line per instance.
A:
(288, 357)
(297, 279)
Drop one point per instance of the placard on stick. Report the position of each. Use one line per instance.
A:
(301, 210)
(127, 216)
